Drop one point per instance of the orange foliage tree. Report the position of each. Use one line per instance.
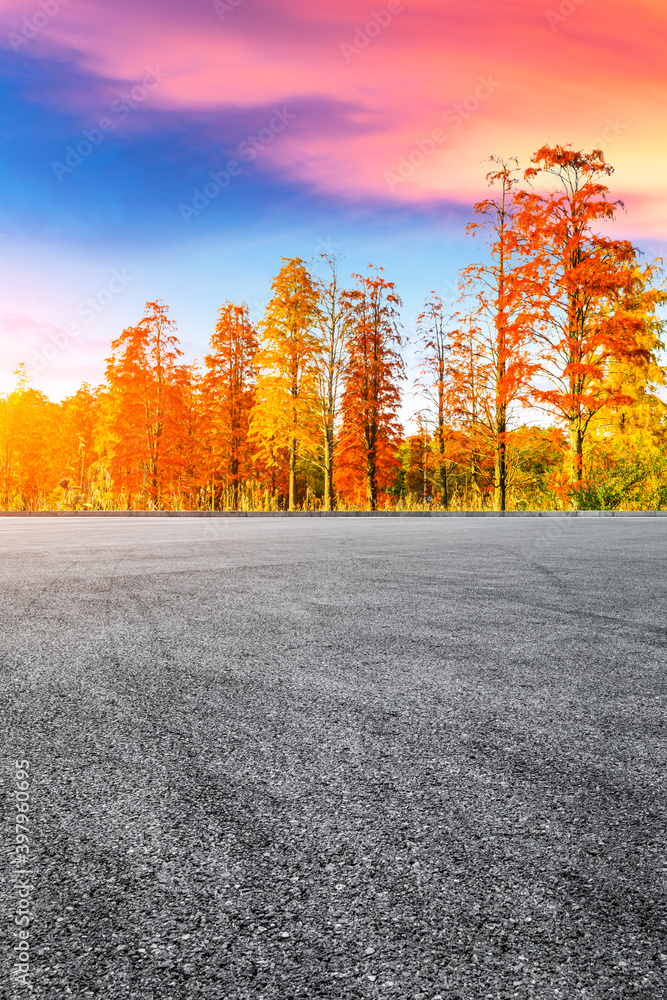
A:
(29, 444)
(193, 459)
(371, 431)
(79, 419)
(229, 393)
(283, 422)
(144, 428)
(503, 294)
(596, 300)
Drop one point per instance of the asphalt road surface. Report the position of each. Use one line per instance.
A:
(341, 758)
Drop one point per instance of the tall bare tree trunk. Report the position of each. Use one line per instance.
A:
(328, 467)
(500, 442)
(442, 465)
(500, 491)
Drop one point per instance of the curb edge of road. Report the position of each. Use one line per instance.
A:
(335, 513)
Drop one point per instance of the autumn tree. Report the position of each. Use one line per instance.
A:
(80, 414)
(284, 418)
(631, 433)
(194, 458)
(502, 295)
(597, 301)
(10, 407)
(229, 392)
(145, 404)
(417, 457)
(371, 397)
(470, 377)
(332, 323)
(641, 416)
(434, 384)
(30, 444)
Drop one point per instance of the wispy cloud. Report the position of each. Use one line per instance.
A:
(409, 61)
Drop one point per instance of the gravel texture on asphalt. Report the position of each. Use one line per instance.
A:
(355, 758)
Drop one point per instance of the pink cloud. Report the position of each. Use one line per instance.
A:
(396, 75)
(52, 354)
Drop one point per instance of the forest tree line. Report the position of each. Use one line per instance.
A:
(301, 410)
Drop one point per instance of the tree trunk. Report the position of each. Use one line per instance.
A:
(371, 478)
(444, 486)
(500, 492)
(476, 493)
(155, 488)
(500, 478)
(293, 448)
(235, 482)
(442, 465)
(576, 451)
(328, 468)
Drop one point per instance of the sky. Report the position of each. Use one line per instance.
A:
(178, 150)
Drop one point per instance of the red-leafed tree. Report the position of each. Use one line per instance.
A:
(143, 434)
(371, 431)
(229, 392)
(597, 301)
(502, 297)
